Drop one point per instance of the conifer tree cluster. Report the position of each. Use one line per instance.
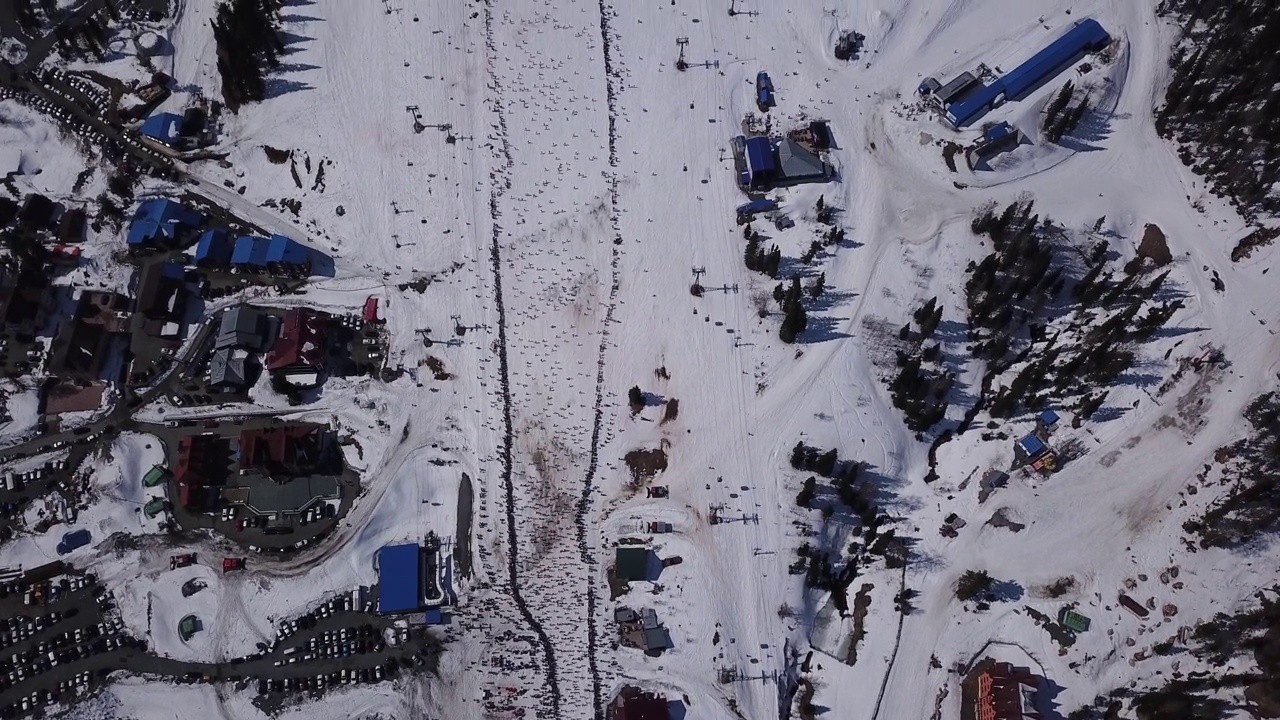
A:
(920, 388)
(249, 45)
(794, 318)
(1022, 285)
(1222, 101)
(756, 257)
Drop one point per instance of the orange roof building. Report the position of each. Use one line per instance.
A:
(1006, 692)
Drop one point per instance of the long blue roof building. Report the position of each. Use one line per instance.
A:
(1085, 36)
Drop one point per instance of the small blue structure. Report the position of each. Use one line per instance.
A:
(1085, 36)
(1048, 418)
(163, 127)
(759, 158)
(399, 579)
(755, 207)
(764, 92)
(997, 133)
(160, 221)
(1032, 446)
(433, 616)
(214, 248)
(286, 253)
(73, 540)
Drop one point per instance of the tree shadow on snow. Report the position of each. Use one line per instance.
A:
(293, 42)
(300, 19)
(279, 87)
(1005, 591)
(295, 67)
(823, 329)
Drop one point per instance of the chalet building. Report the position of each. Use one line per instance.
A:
(298, 354)
(1006, 692)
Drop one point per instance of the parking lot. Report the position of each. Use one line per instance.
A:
(19, 488)
(339, 643)
(61, 637)
(58, 639)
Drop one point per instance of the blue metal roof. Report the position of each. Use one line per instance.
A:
(160, 219)
(258, 257)
(214, 247)
(162, 127)
(1086, 35)
(1048, 418)
(1032, 446)
(759, 155)
(997, 131)
(398, 579)
(758, 206)
(243, 252)
(285, 251)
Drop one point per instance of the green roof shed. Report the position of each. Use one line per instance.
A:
(632, 563)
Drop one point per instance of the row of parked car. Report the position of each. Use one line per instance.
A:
(320, 681)
(342, 603)
(335, 644)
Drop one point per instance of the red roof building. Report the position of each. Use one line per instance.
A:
(287, 451)
(1006, 692)
(300, 346)
(371, 310)
(633, 703)
(194, 453)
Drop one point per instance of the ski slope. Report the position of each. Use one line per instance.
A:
(588, 183)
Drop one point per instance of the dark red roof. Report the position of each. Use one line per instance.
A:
(194, 452)
(371, 310)
(301, 341)
(635, 704)
(292, 448)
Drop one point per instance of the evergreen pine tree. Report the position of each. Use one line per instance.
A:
(819, 285)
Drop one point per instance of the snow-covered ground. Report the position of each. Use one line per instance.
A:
(587, 183)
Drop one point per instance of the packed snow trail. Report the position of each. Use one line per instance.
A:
(553, 207)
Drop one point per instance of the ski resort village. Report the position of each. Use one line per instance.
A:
(639, 360)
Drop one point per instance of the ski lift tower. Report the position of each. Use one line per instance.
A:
(696, 289)
(681, 64)
(418, 127)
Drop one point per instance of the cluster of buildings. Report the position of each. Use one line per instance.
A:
(278, 471)
(276, 255)
(165, 224)
(642, 630)
(966, 99)
(291, 346)
(765, 162)
(1033, 450)
(167, 131)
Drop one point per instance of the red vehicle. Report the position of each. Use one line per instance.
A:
(180, 561)
(232, 564)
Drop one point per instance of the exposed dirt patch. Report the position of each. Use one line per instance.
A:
(276, 155)
(671, 411)
(1001, 519)
(645, 464)
(1154, 246)
(861, 603)
(436, 366)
